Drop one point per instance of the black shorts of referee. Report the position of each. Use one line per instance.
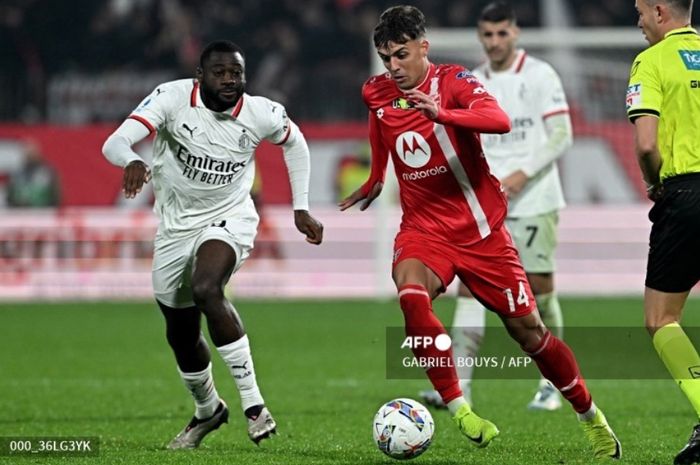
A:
(674, 242)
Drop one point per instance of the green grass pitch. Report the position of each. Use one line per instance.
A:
(104, 369)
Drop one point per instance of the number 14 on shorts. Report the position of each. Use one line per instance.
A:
(522, 299)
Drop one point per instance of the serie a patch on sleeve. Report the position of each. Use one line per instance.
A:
(634, 96)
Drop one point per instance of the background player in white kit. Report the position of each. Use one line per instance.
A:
(531, 93)
(203, 169)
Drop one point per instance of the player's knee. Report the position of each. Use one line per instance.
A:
(205, 292)
(531, 343)
(654, 322)
(182, 339)
(541, 283)
(527, 332)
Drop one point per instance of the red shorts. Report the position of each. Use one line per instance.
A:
(491, 268)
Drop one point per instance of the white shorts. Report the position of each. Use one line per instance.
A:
(173, 258)
(536, 239)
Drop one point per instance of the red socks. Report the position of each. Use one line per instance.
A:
(421, 321)
(558, 364)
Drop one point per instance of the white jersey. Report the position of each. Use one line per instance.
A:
(529, 92)
(203, 161)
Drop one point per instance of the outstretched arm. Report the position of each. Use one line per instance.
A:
(297, 159)
(484, 115)
(117, 149)
(371, 189)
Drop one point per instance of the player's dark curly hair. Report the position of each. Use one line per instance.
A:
(225, 46)
(495, 12)
(399, 24)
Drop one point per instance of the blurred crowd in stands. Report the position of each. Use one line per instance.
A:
(312, 55)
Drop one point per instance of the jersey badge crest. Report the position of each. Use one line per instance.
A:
(467, 76)
(244, 141)
(523, 91)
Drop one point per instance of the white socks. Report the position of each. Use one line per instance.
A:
(455, 404)
(201, 385)
(467, 335)
(237, 357)
(589, 415)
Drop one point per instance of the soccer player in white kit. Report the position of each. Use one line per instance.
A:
(203, 168)
(531, 93)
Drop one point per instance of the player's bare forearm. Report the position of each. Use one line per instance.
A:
(309, 226)
(514, 183)
(136, 174)
(650, 164)
(646, 148)
(362, 194)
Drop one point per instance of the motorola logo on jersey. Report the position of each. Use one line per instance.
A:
(413, 149)
(422, 174)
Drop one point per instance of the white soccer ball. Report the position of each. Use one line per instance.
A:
(403, 428)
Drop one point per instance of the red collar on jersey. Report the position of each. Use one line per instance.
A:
(515, 68)
(196, 100)
(193, 95)
(521, 62)
(237, 108)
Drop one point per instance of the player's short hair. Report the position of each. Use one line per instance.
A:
(495, 12)
(399, 24)
(682, 7)
(219, 46)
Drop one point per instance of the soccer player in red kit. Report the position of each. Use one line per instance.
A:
(428, 118)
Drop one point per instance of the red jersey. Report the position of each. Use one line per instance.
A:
(446, 188)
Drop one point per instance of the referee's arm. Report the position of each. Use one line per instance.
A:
(645, 145)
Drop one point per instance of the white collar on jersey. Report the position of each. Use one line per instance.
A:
(431, 71)
(196, 101)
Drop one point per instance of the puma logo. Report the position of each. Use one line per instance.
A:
(694, 371)
(240, 367)
(191, 131)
